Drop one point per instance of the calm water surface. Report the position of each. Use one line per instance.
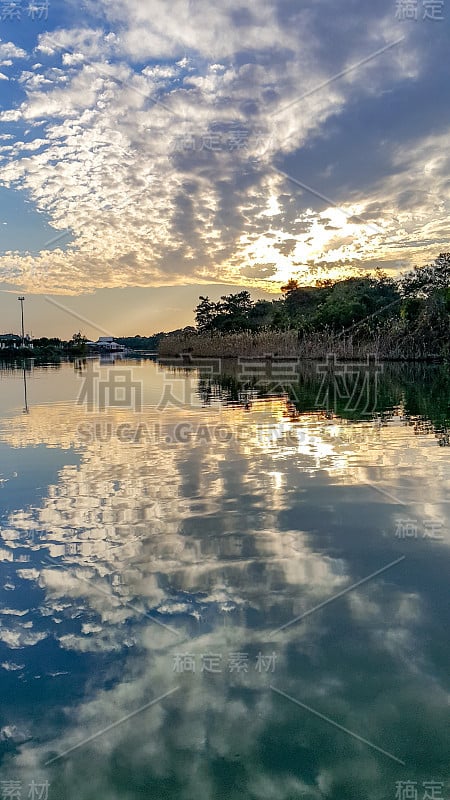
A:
(179, 614)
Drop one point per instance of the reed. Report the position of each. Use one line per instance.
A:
(385, 345)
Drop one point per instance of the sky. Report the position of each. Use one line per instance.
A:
(152, 152)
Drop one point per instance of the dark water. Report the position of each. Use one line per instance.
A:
(214, 587)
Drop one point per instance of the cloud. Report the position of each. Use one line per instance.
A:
(160, 144)
(8, 51)
(20, 638)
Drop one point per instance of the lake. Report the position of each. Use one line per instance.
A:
(224, 581)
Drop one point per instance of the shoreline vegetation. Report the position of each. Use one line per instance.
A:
(400, 320)
(305, 346)
(405, 320)
(54, 350)
(47, 350)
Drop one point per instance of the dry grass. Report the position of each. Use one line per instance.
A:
(388, 345)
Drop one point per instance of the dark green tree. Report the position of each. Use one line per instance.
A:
(205, 314)
(423, 281)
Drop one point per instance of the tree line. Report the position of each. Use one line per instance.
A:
(415, 305)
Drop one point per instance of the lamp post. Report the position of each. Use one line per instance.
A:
(21, 299)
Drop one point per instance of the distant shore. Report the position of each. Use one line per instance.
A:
(10, 355)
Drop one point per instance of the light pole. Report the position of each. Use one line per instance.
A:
(21, 299)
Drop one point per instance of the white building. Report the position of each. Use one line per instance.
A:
(107, 344)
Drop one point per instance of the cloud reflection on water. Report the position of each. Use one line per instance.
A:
(226, 542)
